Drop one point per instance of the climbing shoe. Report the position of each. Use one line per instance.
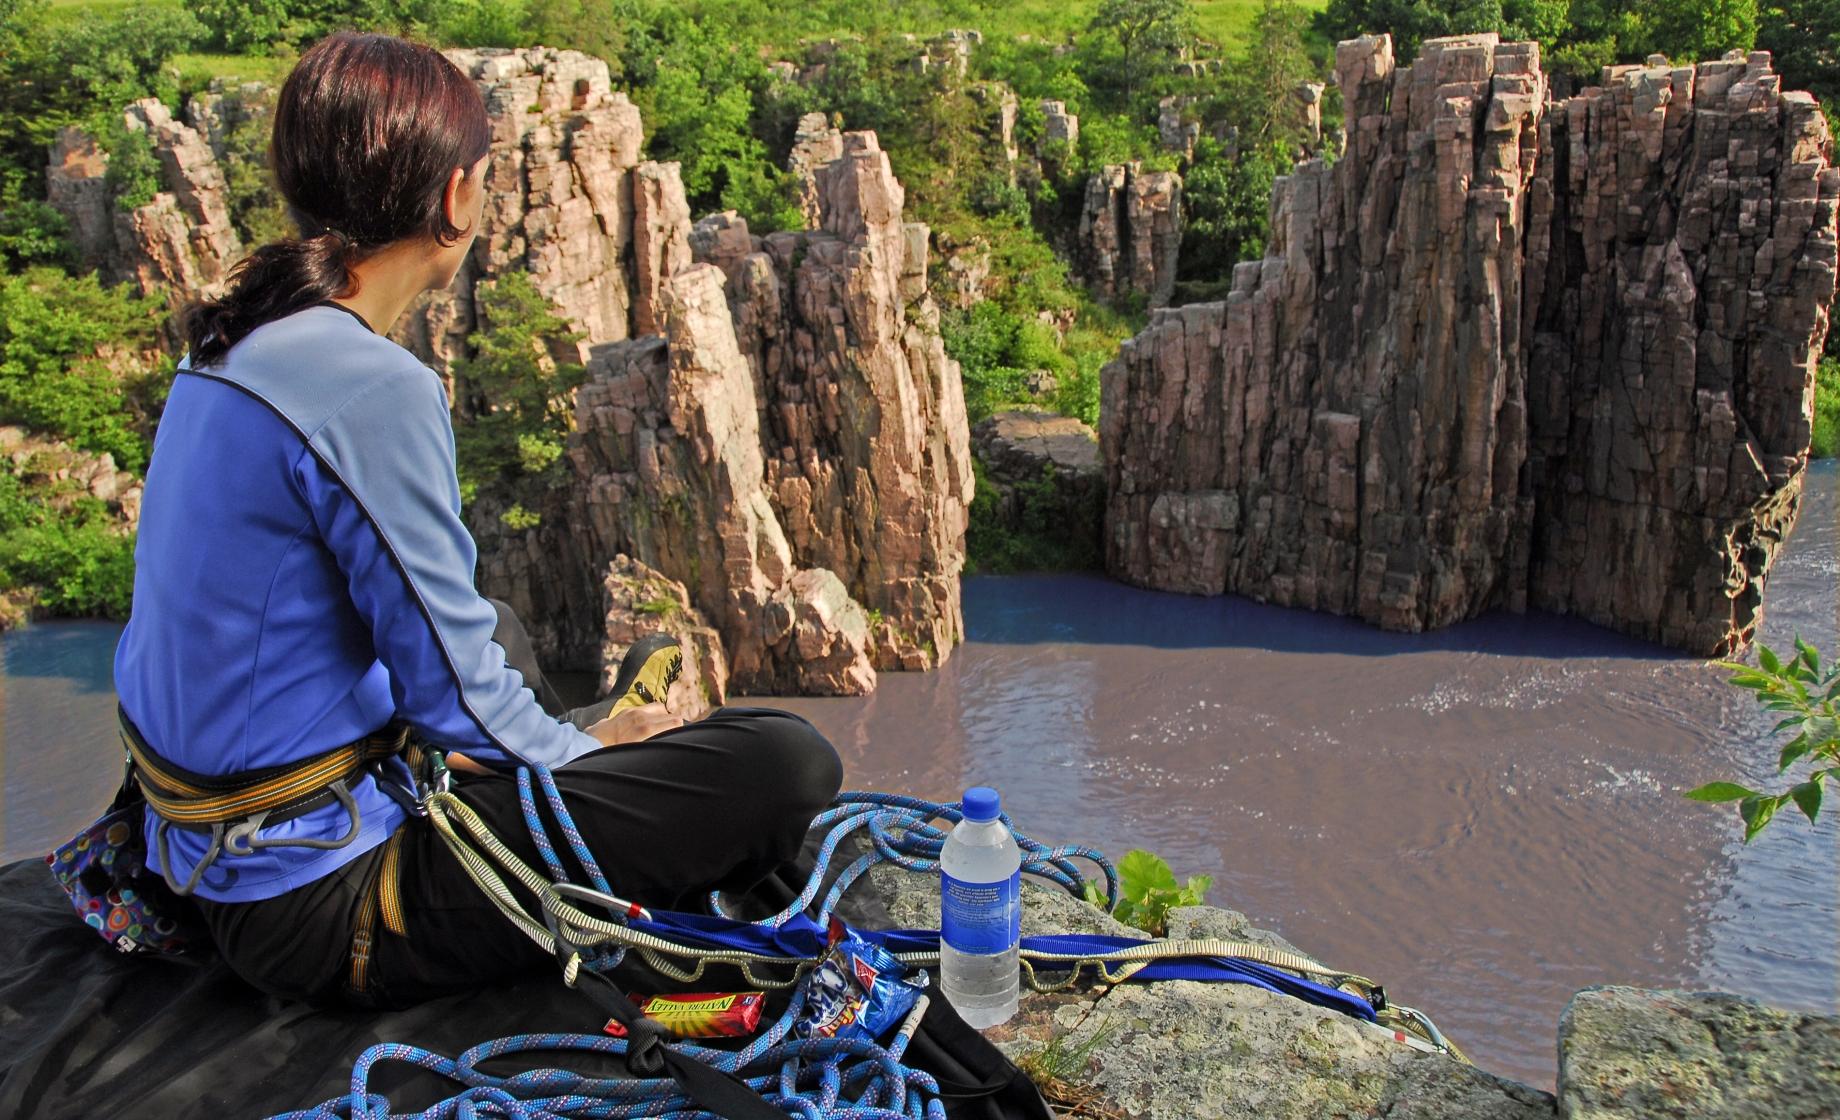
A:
(646, 672)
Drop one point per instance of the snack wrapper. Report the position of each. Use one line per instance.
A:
(700, 1014)
(858, 990)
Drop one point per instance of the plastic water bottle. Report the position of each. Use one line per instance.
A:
(980, 926)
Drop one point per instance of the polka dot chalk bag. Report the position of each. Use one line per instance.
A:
(104, 871)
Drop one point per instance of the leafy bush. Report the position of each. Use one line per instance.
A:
(74, 557)
(1050, 534)
(31, 232)
(239, 25)
(519, 393)
(1148, 891)
(81, 72)
(1807, 695)
(72, 364)
(1826, 442)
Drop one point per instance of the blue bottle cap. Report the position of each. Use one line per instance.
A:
(982, 804)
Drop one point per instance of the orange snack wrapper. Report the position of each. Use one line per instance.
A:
(700, 1014)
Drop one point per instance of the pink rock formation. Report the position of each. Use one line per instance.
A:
(181, 242)
(1131, 232)
(561, 204)
(1506, 352)
(794, 451)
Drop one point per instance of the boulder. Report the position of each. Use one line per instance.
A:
(640, 602)
(1182, 1050)
(1058, 126)
(1505, 353)
(1630, 1054)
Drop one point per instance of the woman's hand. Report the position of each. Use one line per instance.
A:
(634, 725)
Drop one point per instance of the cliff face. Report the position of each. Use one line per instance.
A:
(1506, 352)
(181, 242)
(772, 422)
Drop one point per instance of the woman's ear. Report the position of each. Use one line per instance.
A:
(452, 211)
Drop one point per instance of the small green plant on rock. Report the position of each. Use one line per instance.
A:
(1148, 891)
(1058, 1068)
(1807, 694)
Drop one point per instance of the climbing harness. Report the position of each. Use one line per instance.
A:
(235, 808)
(590, 930)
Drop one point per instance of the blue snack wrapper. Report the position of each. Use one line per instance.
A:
(857, 991)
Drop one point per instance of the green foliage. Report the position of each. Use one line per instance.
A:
(519, 391)
(1057, 1066)
(134, 174)
(1148, 891)
(238, 25)
(1151, 36)
(1807, 695)
(1228, 204)
(1411, 22)
(71, 364)
(1826, 442)
(1049, 533)
(659, 607)
(254, 202)
(1577, 37)
(31, 231)
(80, 72)
(1692, 30)
(70, 554)
(1803, 36)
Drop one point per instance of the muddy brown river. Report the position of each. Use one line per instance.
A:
(1485, 819)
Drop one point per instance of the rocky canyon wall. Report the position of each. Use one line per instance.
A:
(770, 430)
(770, 422)
(1506, 352)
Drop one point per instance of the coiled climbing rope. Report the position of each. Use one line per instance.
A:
(818, 1079)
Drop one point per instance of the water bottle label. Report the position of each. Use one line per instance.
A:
(981, 918)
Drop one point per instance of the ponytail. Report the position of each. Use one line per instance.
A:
(275, 281)
(368, 129)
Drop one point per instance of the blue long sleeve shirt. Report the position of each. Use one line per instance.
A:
(302, 577)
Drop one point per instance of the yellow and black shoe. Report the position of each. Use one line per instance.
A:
(646, 672)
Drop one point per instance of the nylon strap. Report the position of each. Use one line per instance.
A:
(196, 800)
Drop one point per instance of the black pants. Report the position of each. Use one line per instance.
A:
(722, 803)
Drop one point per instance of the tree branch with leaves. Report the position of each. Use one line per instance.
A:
(1807, 694)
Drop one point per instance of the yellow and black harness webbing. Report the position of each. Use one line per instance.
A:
(199, 801)
(384, 899)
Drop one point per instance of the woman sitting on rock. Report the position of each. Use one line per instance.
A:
(304, 581)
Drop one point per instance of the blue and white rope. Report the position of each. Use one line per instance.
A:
(816, 1079)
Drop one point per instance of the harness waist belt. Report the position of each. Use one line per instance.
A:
(233, 808)
(199, 801)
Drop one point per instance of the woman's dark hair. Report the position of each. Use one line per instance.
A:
(367, 130)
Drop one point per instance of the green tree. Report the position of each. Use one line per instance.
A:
(1147, 31)
(1695, 30)
(1410, 22)
(1804, 38)
(241, 25)
(520, 396)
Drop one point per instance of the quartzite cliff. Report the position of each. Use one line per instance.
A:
(771, 422)
(1506, 352)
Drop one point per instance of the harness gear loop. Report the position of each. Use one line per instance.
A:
(234, 808)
